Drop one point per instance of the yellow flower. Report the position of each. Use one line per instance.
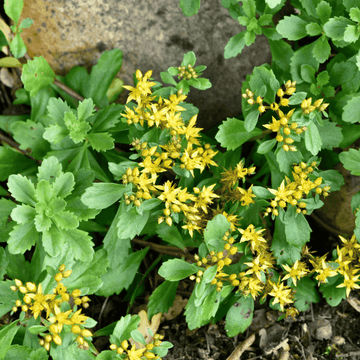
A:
(282, 193)
(255, 238)
(205, 197)
(135, 354)
(274, 126)
(350, 282)
(247, 195)
(40, 302)
(297, 271)
(61, 318)
(281, 293)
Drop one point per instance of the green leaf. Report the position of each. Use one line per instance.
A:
(265, 19)
(313, 29)
(171, 235)
(306, 293)
(249, 8)
(292, 27)
(13, 9)
(122, 276)
(63, 219)
(162, 298)
(102, 195)
(331, 292)
(211, 304)
(80, 244)
(55, 133)
(214, 232)
(281, 53)
(232, 133)
(350, 133)
(131, 217)
(85, 109)
(77, 129)
(262, 193)
(286, 159)
(351, 161)
(4, 42)
(321, 50)
(56, 110)
(22, 238)
(313, 139)
(23, 214)
(7, 334)
(351, 110)
(263, 78)
(209, 274)
(235, 45)
(22, 189)
(124, 327)
(189, 58)
(200, 83)
(342, 72)
(251, 120)
(167, 78)
(189, 7)
(30, 136)
(101, 141)
(331, 135)
(6, 207)
(283, 251)
(176, 269)
(323, 78)
(297, 229)
(266, 146)
(298, 97)
(18, 47)
(101, 77)
(37, 74)
(26, 23)
(239, 317)
(336, 26)
(333, 178)
(308, 75)
(355, 14)
(323, 11)
(272, 3)
(301, 57)
(351, 33)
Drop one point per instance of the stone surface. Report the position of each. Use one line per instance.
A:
(152, 35)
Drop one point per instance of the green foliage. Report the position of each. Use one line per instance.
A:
(90, 172)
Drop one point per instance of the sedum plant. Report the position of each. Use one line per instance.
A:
(84, 180)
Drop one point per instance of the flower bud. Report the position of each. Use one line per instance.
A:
(86, 333)
(57, 339)
(31, 286)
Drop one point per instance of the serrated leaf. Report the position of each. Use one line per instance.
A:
(263, 79)
(30, 137)
(23, 214)
(355, 14)
(102, 195)
(162, 298)
(56, 110)
(85, 109)
(65, 220)
(292, 27)
(232, 133)
(101, 141)
(351, 33)
(80, 244)
(55, 133)
(350, 133)
(281, 53)
(321, 50)
(272, 3)
(323, 11)
(239, 316)
(176, 269)
(313, 139)
(77, 129)
(22, 189)
(351, 110)
(235, 45)
(37, 74)
(22, 238)
(336, 26)
(351, 161)
(189, 7)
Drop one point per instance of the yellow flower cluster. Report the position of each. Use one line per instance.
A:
(293, 192)
(283, 126)
(187, 72)
(136, 354)
(35, 302)
(230, 191)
